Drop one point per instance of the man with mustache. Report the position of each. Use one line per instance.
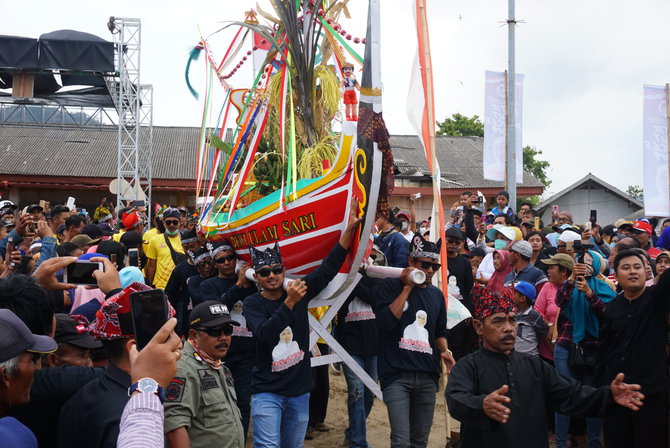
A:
(200, 402)
(501, 396)
(634, 339)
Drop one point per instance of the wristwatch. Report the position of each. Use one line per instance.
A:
(147, 386)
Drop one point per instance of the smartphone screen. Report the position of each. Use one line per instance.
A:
(150, 312)
(594, 216)
(81, 273)
(133, 257)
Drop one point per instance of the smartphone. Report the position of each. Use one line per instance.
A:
(112, 258)
(396, 209)
(587, 226)
(537, 223)
(416, 196)
(9, 249)
(81, 273)
(133, 257)
(554, 209)
(594, 216)
(137, 204)
(150, 312)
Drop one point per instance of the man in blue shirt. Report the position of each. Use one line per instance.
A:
(519, 258)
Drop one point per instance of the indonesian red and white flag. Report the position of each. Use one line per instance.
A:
(421, 113)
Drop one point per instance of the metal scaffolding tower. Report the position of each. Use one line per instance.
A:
(134, 104)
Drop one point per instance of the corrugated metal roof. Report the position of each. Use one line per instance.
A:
(44, 151)
(460, 160)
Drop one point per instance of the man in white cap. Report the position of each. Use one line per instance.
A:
(519, 258)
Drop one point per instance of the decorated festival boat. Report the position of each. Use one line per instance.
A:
(288, 172)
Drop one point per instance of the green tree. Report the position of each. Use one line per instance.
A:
(461, 125)
(537, 168)
(636, 191)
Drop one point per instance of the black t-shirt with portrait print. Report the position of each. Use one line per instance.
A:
(408, 344)
(282, 365)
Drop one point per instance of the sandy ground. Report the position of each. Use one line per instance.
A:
(378, 426)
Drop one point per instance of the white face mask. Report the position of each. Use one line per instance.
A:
(404, 226)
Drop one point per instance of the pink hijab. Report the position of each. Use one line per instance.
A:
(495, 283)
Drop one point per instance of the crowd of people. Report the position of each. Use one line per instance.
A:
(567, 321)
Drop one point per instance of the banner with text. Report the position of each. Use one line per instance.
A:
(655, 152)
(495, 127)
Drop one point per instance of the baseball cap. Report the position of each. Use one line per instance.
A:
(564, 260)
(568, 236)
(92, 230)
(16, 338)
(642, 226)
(74, 332)
(622, 223)
(507, 232)
(403, 215)
(106, 229)
(33, 207)
(7, 205)
(563, 227)
(131, 239)
(210, 314)
(527, 290)
(522, 247)
(82, 240)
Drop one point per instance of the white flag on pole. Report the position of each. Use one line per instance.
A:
(495, 128)
(655, 152)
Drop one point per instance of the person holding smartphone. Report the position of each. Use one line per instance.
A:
(200, 402)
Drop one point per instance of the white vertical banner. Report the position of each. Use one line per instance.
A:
(655, 152)
(495, 127)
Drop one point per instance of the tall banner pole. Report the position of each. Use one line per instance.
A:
(667, 121)
(507, 178)
(511, 95)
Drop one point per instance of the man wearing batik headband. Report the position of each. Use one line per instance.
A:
(412, 322)
(103, 399)
(501, 396)
(231, 289)
(282, 378)
(202, 259)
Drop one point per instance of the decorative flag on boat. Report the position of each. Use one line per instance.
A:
(655, 152)
(495, 127)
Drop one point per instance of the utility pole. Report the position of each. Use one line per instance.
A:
(511, 104)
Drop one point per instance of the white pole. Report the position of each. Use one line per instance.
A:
(511, 98)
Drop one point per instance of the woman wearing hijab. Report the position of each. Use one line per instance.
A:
(502, 268)
(582, 299)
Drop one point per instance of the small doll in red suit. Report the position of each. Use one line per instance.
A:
(350, 85)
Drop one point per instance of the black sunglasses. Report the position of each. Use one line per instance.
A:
(224, 259)
(265, 272)
(203, 264)
(428, 264)
(227, 330)
(171, 222)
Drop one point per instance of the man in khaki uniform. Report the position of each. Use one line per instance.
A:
(200, 403)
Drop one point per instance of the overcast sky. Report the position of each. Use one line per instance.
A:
(584, 63)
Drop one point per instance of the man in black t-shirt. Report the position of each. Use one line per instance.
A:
(634, 333)
(412, 323)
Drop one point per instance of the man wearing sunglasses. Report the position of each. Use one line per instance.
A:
(280, 387)
(229, 289)
(200, 402)
(164, 251)
(409, 362)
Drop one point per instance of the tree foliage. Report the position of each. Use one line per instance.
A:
(537, 168)
(636, 191)
(461, 125)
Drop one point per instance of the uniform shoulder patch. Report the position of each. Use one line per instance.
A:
(207, 379)
(175, 390)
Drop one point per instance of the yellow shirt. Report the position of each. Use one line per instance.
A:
(147, 237)
(159, 251)
(117, 236)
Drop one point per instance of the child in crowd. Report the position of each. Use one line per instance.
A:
(503, 208)
(531, 328)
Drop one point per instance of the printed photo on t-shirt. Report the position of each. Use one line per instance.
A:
(237, 316)
(415, 336)
(359, 310)
(286, 353)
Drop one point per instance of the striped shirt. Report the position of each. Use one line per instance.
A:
(142, 422)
